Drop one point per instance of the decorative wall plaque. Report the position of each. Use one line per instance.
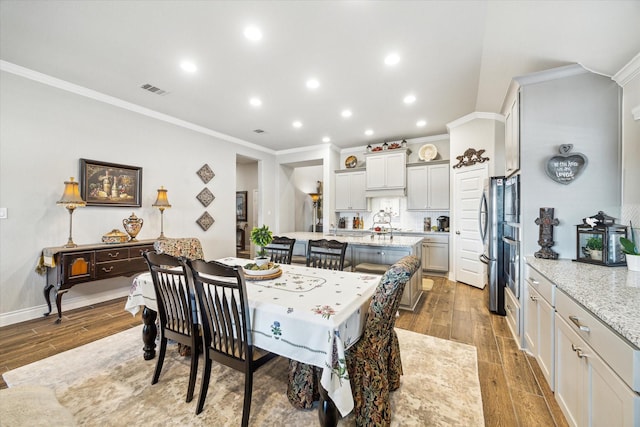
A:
(565, 167)
(205, 173)
(205, 197)
(545, 236)
(205, 221)
(470, 158)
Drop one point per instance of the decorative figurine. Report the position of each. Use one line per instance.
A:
(545, 236)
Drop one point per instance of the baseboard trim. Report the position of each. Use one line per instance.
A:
(30, 313)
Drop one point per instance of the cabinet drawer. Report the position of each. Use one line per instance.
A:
(114, 254)
(113, 268)
(545, 288)
(621, 356)
(513, 312)
(436, 238)
(136, 251)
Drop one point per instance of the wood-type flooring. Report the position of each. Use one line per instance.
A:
(514, 392)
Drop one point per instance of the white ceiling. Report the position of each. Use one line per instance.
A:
(457, 57)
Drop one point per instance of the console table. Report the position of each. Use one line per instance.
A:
(66, 267)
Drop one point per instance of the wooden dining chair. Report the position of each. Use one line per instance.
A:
(176, 310)
(373, 362)
(327, 254)
(226, 326)
(280, 250)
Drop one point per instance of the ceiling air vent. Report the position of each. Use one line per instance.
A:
(153, 89)
(258, 131)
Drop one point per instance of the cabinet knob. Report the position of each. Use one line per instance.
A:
(533, 281)
(114, 255)
(457, 232)
(107, 270)
(576, 321)
(533, 298)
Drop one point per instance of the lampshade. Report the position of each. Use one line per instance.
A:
(71, 195)
(162, 201)
(314, 197)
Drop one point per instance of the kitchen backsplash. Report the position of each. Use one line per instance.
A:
(400, 217)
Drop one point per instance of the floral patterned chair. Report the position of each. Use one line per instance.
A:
(188, 247)
(373, 363)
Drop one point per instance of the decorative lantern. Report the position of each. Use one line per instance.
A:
(598, 241)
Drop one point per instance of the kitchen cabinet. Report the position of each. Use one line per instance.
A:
(435, 253)
(513, 317)
(387, 171)
(512, 137)
(428, 187)
(539, 324)
(350, 191)
(587, 390)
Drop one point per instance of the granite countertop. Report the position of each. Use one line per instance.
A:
(366, 240)
(610, 293)
(367, 231)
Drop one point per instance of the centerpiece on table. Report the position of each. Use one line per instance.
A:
(262, 237)
(631, 250)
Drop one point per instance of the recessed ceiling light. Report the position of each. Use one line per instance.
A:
(256, 102)
(253, 33)
(313, 84)
(297, 124)
(346, 113)
(368, 132)
(392, 59)
(188, 66)
(409, 99)
(421, 123)
(326, 139)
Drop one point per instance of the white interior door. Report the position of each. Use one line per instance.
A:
(469, 183)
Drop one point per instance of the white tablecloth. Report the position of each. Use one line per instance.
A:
(307, 314)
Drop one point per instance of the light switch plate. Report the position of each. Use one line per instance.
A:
(3, 213)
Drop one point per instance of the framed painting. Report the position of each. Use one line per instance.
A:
(110, 184)
(241, 205)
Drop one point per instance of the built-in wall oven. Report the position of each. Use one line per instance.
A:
(511, 258)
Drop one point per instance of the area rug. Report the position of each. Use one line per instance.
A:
(427, 284)
(108, 383)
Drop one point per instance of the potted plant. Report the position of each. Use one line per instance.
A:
(631, 251)
(594, 245)
(261, 236)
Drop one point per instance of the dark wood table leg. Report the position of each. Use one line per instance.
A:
(47, 298)
(327, 411)
(149, 333)
(59, 294)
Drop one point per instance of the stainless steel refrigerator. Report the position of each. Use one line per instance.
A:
(491, 219)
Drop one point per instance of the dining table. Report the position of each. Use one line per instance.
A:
(310, 315)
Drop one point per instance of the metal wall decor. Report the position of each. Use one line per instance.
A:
(205, 173)
(470, 157)
(545, 236)
(205, 221)
(205, 197)
(565, 167)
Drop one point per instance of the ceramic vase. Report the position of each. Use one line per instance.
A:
(132, 226)
(633, 262)
(261, 260)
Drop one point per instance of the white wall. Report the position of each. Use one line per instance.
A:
(305, 180)
(44, 131)
(480, 131)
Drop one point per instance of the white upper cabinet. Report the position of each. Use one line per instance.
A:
(387, 171)
(350, 191)
(428, 187)
(512, 137)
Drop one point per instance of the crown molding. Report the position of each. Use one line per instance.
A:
(117, 102)
(629, 72)
(474, 116)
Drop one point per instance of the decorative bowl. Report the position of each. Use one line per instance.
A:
(115, 236)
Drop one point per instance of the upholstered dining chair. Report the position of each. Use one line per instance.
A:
(373, 363)
(280, 250)
(176, 310)
(327, 254)
(226, 326)
(188, 247)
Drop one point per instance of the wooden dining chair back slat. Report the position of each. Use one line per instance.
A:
(176, 310)
(326, 254)
(280, 250)
(226, 325)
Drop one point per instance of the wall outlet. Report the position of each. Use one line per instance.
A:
(3, 213)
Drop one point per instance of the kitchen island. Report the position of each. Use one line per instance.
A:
(380, 250)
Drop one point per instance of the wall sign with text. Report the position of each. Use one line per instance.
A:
(565, 167)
